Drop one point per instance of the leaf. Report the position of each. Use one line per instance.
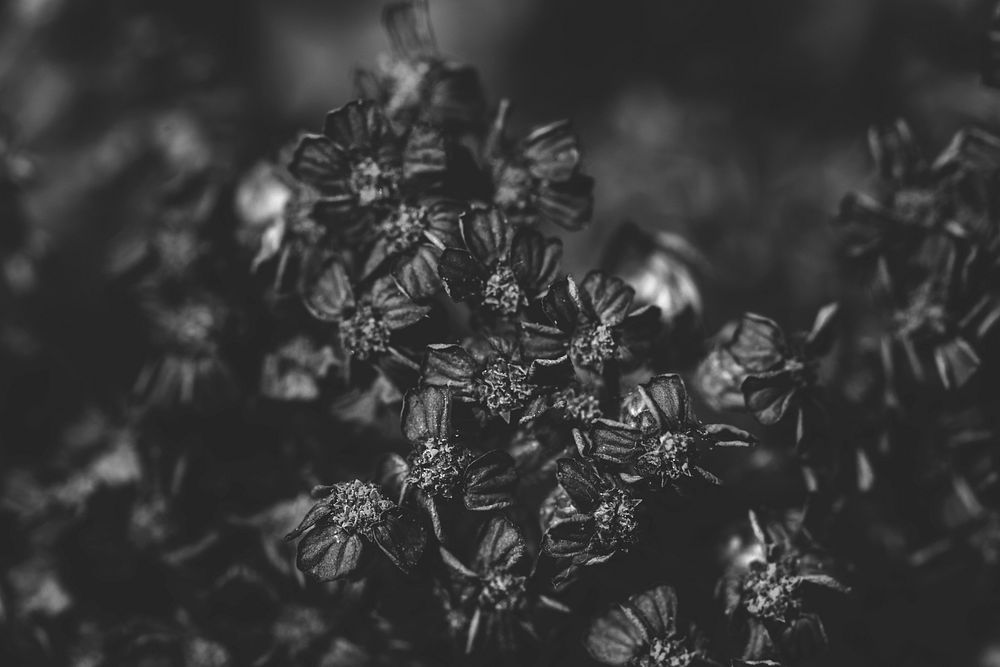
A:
(490, 481)
(327, 553)
(401, 538)
(427, 414)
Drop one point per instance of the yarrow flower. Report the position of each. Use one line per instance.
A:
(539, 178)
(360, 165)
(643, 632)
(504, 269)
(593, 325)
(339, 531)
(663, 443)
(493, 600)
(439, 467)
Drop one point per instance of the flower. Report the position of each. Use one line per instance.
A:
(338, 532)
(770, 372)
(410, 237)
(767, 590)
(494, 376)
(593, 325)
(295, 371)
(365, 322)
(642, 632)
(503, 270)
(414, 84)
(494, 598)
(539, 178)
(600, 520)
(663, 442)
(440, 469)
(360, 164)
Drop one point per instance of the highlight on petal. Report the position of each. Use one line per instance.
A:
(327, 553)
(427, 414)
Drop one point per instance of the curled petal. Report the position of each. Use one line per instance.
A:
(821, 337)
(769, 395)
(396, 307)
(462, 275)
(614, 639)
(542, 342)
(487, 235)
(610, 298)
(758, 343)
(668, 395)
(614, 441)
(450, 366)
(327, 553)
(581, 483)
(328, 294)
(725, 435)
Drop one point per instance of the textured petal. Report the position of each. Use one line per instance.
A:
(581, 483)
(357, 124)
(769, 395)
(418, 274)
(725, 435)
(542, 342)
(614, 638)
(443, 218)
(897, 156)
(450, 366)
(534, 260)
(501, 547)
(657, 608)
(569, 204)
(397, 309)
(569, 538)
(758, 343)
(424, 156)
(391, 475)
(609, 297)
(487, 235)
(956, 361)
(552, 151)
(461, 274)
(328, 294)
(490, 481)
(427, 414)
(614, 441)
(327, 553)
(320, 163)
(401, 538)
(639, 333)
(670, 398)
(562, 304)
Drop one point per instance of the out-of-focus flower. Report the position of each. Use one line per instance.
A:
(295, 371)
(440, 469)
(339, 531)
(756, 366)
(493, 600)
(642, 632)
(593, 325)
(365, 321)
(414, 83)
(504, 269)
(767, 590)
(539, 179)
(359, 164)
(663, 442)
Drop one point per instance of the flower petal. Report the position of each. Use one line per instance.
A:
(614, 638)
(562, 304)
(328, 294)
(614, 441)
(581, 483)
(450, 366)
(487, 235)
(461, 274)
(418, 274)
(669, 397)
(821, 337)
(397, 308)
(658, 610)
(758, 343)
(490, 481)
(769, 395)
(357, 124)
(568, 204)
(501, 547)
(542, 342)
(569, 538)
(424, 156)
(552, 151)
(534, 260)
(427, 414)
(609, 297)
(327, 553)
(401, 538)
(320, 163)
(725, 435)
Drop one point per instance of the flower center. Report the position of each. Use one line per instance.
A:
(669, 652)
(357, 506)
(502, 591)
(365, 334)
(504, 386)
(577, 406)
(502, 293)
(371, 182)
(437, 467)
(193, 325)
(916, 206)
(615, 518)
(593, 345)
(403, 228)
(669, 455)
(769, 593)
